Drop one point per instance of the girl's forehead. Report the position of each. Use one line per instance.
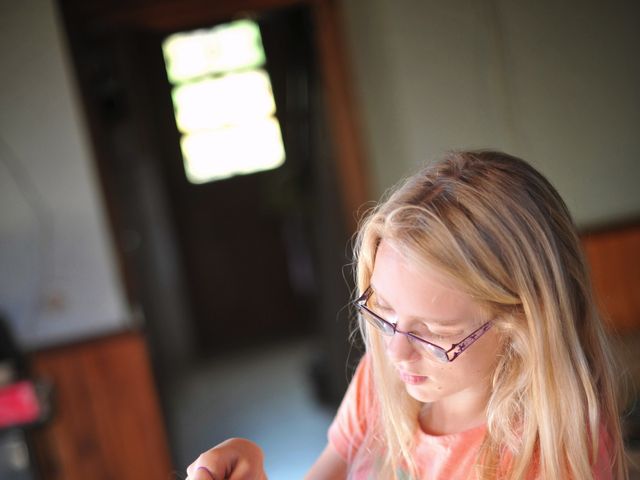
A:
(417, 290)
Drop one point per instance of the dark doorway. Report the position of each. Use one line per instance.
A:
(237, 262)
(245, 240)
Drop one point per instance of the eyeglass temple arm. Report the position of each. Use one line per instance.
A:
(460, 347)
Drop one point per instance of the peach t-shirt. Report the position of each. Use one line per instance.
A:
(444, 457)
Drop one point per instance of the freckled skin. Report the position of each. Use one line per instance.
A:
(454, 393)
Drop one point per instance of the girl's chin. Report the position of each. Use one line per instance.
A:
(423, 393)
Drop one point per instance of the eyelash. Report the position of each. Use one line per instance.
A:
(437, 336)
(444, 337)
(441, 336)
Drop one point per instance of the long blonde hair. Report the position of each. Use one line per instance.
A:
(497, 227)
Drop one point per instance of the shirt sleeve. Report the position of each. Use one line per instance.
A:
(349, 427)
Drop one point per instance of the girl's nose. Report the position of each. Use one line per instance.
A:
(401, 349)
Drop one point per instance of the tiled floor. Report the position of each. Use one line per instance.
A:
(265, 396)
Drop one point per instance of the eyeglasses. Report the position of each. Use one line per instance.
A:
(389, 329)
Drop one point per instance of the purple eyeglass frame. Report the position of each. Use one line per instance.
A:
(437, 351)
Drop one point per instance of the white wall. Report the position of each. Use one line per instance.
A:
(553, 82)
(58, 278)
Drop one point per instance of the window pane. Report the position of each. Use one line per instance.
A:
(233, 46)
(228, 100)
(222, 153)
(223, 102)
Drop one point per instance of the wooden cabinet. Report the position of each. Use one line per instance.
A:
(106, 422)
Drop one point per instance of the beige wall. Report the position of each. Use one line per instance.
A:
(554, 82)
(58, 276)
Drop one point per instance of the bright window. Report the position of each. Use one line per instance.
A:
(223, 102)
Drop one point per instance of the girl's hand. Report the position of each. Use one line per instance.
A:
(233, 459)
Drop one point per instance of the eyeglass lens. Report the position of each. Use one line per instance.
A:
(388, 329)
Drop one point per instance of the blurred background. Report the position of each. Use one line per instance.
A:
(180, 181)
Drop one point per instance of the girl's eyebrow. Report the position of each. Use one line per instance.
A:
(413, 318)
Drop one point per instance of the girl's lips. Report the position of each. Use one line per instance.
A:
(412, 379)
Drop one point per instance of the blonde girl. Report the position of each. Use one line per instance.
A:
(486, 356)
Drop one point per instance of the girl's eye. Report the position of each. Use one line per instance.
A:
(443, 336)
(426, 333)
(382, 309)
(422, 331)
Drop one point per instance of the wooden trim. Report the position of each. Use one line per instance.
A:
(343, 120)
(171, 15)
(609, 226)
(614, 260)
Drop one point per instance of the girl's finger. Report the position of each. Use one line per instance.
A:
(243, 471)
(198, 471)
(202, 473)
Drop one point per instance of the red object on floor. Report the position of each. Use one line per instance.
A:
(18, 404)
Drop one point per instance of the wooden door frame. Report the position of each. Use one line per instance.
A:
(167, 15)
(89, 24)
